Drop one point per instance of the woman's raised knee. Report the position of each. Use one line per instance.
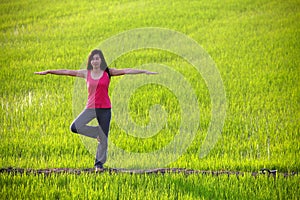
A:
(73, 128)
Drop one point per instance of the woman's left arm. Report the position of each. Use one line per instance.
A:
(119, 72)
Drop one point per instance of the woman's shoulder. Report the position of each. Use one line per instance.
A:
(82, 73)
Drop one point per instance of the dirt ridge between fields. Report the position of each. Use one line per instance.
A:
(49, 171)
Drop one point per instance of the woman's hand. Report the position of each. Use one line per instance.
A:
(42, 73)
(148, 72)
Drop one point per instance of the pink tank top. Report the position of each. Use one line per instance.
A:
(98, 91)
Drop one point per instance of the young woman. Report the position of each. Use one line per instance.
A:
(98, 105)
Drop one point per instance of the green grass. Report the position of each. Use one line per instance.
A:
(168, 186)
(255, 45)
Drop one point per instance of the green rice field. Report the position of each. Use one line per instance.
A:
(255, 46)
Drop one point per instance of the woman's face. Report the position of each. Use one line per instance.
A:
(96, 61)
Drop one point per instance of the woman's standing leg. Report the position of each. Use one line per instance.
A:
(103, 117)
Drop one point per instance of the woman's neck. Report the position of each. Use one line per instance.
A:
(96, 73)
(97, 70)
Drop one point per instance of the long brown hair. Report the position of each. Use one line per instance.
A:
(103, 64)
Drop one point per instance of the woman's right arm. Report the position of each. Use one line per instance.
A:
(65, 72)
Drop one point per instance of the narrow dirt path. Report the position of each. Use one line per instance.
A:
(161, 171)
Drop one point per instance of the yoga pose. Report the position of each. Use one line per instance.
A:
(98, 105)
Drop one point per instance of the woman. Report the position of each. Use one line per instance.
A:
(98, 105)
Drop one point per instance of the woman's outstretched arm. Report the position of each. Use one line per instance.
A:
(64, 72)
(118, 72)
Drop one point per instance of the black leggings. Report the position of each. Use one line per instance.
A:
(100, 132)
(103, 116)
